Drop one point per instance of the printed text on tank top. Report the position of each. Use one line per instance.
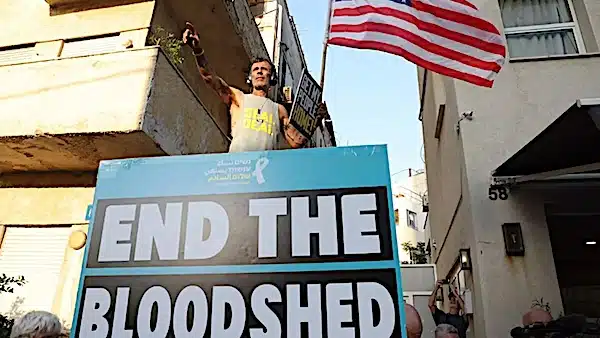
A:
(259, 120)
(235, 114)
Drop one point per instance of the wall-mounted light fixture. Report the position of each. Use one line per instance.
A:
(464, 256)
(77, 240)
(513, 239)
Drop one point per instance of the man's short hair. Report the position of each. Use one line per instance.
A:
(261, 59)
(37, 324)
(443, 330)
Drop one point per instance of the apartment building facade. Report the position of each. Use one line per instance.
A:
(409, 198)
(84, 81)
(511, 171)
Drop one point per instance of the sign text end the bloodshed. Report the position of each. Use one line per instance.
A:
(312, 260)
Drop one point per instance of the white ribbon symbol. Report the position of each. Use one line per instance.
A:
(261, 164)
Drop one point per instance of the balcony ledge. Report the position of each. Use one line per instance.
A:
(68, 114)
(58, 7)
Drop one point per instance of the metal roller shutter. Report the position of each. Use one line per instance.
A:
(17, 55)
(36, 253)
(92, 46)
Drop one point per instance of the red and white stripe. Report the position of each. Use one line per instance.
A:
(445, 36)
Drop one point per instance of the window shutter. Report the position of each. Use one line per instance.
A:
(17, 55)
(91, 46)
(37, 253)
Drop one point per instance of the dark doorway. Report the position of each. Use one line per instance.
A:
(575, 237)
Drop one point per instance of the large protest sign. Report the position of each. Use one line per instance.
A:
(227, 246)
(307, 98)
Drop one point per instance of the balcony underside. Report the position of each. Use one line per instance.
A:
(72, 152)
(68, 114)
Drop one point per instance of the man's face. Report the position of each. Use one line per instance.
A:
(260, 73)
(453, 305)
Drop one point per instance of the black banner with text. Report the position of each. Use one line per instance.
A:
(294, 305)
(235, 229)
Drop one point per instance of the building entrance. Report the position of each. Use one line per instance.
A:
(575, 237)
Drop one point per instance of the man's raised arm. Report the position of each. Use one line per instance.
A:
(228, 94)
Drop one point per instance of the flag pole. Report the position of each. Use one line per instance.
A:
(325, 44)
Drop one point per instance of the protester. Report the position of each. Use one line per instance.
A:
(256, 121)
(414, 325)
(446, 331)
(37, 324)
(453, 317)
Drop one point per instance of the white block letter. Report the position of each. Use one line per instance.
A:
(355, 224)
(223, 295)
(310, 314)
(195, 246)
(267, 211)
(121, 303)
(160, 296)
(116, 228)
(260, 296)
(367, 293)
(190, 295)
(338, 313)
(324, 225)
(152, 228)
(95, 306)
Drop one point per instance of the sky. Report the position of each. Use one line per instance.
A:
(373, 97)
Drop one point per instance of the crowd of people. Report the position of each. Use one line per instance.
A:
(414, 325)
(451, 324)
(42, 324)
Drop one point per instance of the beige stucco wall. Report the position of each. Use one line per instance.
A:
(526, 97)
(32, 206)
(42, 27)
(99, 93)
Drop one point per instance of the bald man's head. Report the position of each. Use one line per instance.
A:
(414, 326)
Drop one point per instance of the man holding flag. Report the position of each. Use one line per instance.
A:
(448, 37)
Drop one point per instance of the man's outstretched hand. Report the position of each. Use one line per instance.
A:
(190, 36)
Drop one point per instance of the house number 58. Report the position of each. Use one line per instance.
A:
(495, 193)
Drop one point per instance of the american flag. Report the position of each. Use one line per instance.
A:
(448, 37)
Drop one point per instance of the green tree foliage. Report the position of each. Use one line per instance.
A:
(418, 254)
(170, 44)
(7, 285)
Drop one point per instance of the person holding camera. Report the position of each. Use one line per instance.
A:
(453, 316)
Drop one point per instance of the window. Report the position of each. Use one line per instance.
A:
(540, 28)
(396, 217)
(411, 219)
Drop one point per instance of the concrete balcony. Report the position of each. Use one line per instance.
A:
(68, 114)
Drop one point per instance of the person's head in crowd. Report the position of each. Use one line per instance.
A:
(37, 324)
(414, 326)
(453, 306)
(446, 331)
